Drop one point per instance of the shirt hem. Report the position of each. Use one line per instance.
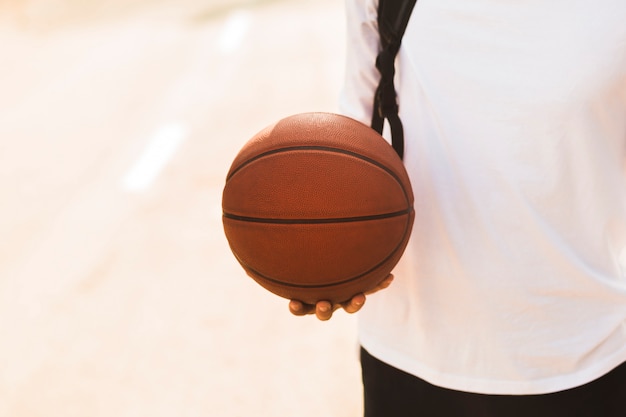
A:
(548, 385)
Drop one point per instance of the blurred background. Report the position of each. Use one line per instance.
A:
(118, 293)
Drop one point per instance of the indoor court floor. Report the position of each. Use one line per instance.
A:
(119, 296)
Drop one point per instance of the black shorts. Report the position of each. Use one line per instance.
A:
(389, 392)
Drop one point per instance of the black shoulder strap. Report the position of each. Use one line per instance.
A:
(393, 17)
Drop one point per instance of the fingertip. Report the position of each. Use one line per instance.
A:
(323, 306)
(354, 304)
(358, 300)
(386, 282)
(295, 306)
(323, 310)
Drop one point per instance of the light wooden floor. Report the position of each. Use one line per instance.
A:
(118, 294)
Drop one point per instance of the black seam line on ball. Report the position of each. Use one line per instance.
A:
(319, 221)
(321, 148)
(405, 236)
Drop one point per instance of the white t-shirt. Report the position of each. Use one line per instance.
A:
(514, 113)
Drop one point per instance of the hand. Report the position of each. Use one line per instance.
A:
(324, 309)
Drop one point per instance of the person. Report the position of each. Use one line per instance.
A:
(510, 299)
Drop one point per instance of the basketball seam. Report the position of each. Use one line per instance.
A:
(325, 149)
(318, 221)
(313, 286)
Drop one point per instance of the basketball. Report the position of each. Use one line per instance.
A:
(317, 206)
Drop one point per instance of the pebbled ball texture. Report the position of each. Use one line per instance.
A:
(317, 207)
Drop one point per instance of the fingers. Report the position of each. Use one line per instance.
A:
(298, 308)
(323, 310)
(386, 282)
(382, 285)
(354, 304)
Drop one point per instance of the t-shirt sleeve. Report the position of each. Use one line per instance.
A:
(361, 76)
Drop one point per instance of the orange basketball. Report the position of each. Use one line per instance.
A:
(317, 207)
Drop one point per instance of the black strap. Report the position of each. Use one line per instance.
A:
(393, 17)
